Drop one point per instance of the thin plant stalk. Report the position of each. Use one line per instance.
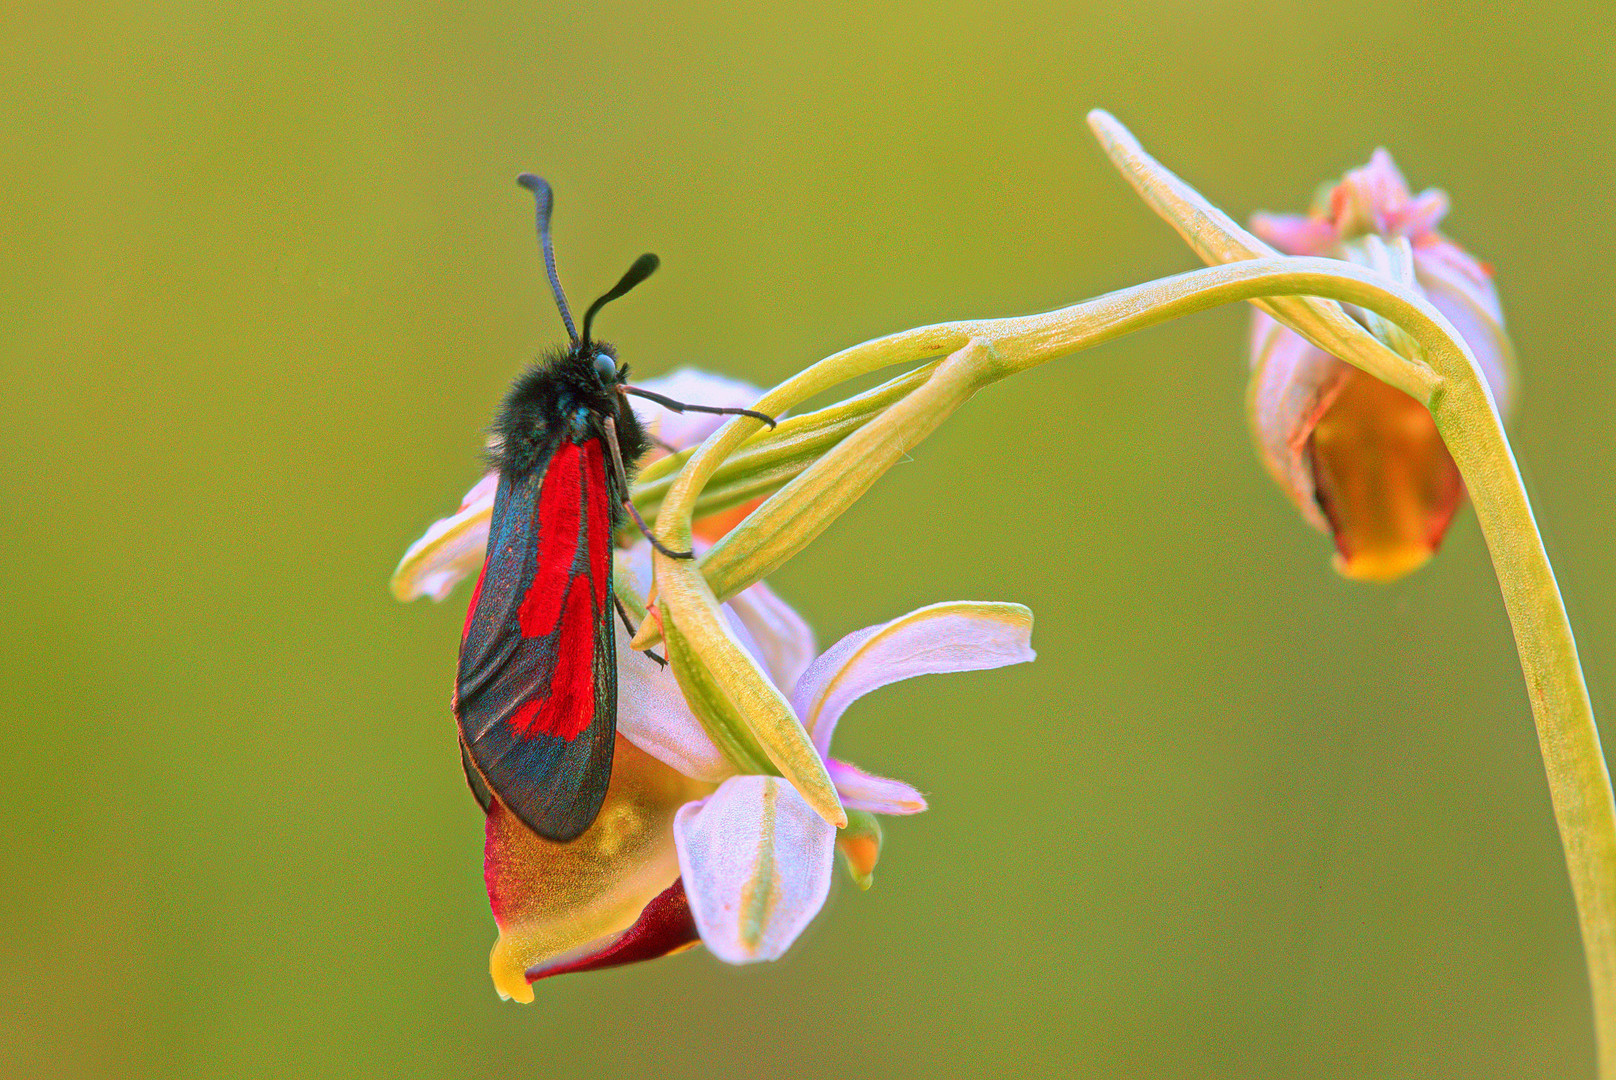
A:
(1447, 382)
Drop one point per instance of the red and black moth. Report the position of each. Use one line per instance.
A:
(536, 694)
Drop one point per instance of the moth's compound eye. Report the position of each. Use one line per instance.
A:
(606, 368)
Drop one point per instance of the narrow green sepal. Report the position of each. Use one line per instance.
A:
(724, 681)
(711, 707)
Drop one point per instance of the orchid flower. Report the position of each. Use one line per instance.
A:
(691, 844)
(690, 847)
(1359, 458)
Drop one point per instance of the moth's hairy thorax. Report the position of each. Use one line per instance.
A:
(561, 398)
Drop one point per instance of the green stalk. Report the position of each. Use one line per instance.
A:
(1579, 782)
(1449, 385)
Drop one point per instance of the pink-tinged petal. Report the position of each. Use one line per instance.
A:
(452, 547)
(651, 709)
(877, 794)
(665, 927)
(1420, 217)
(1292, 384)
(563, 902)
(1296, 234)
(1359, 459)
(653, 715)
(756, 862)
(1383, 178)
(785, 643)
(959, 636)
(1368, 199)
(1462, 290)
(681, 430)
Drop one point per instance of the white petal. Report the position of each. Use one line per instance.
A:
(693, 387)
(756, 863)
(964, 635)
(1460, 289)
(451, 548)
(785, 644)
(652, 714)
(651, 711)
(1293, 383)
(877, 794)
(763, 629)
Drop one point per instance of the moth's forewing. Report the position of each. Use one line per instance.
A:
(536, 696)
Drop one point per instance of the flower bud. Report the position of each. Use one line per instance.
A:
(1360, 459)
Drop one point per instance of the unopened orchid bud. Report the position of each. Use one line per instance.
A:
(1360, 459)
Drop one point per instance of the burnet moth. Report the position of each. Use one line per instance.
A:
(536, 694)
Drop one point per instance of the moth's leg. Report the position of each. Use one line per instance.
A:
(628, 624)
(628, 504)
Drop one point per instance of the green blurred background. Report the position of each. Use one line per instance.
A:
(265, 275)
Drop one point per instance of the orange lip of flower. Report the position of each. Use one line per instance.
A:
(570, 902)
(664, 928)
(1383, 479)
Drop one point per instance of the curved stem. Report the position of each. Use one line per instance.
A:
(1573, 759)
(1450, 385)
(1467, 419)
(1579, 782)
(1015, 344)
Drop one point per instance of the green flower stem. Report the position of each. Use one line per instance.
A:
(1217, 238)
(910, 346)
(804, 508)
(1016, 344)
(1466, 417)
(1450, 386)
(1468, 420)
(1579, 782)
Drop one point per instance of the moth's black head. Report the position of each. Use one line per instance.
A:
(606, 369)
(564, 397)
(589, 376)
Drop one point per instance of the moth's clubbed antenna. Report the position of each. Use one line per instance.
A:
(643, 268)
(546, 202)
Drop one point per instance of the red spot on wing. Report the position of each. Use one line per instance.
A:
(561, 602)
(568, 706)
(558, 521)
